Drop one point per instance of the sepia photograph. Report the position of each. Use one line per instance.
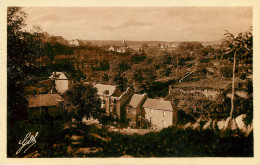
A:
(130, 82)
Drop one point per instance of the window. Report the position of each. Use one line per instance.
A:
(151, 119)
(151, 111)
(163, 122)
(164, 113)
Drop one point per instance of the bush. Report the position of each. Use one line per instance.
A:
(174, 142)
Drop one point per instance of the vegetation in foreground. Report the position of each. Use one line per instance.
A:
(169, 142)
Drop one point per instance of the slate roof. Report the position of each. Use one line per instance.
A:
(61, 76)
(57, 75)
(44, 100)
(102, 88)
(158, 104)
(136, 99)
(115, 47)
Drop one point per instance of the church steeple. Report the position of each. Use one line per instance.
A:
(125, 45)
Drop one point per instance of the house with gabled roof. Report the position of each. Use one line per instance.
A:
(112, 99)
(134, 110)
(62, 81)
(42, 104)
(113, 48)
(105, 92)
(118, 104)
(159, 113)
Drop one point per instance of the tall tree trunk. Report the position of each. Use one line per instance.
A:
(233, 88)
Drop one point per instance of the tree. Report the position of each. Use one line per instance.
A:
(80, 101)
(141, 76)
(239, 48)
(15, 21)
(190, 50)
(117, 73)
(16, 68)
(21, 69)
(23, 49)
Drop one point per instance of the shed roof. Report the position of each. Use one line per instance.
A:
(136, 99)
(158, 104)
(44, 100)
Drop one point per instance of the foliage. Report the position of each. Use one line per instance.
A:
(175, 142)
(190, 50)
(226, 72)
(53, 49)
(21, 55)
(117, 73)
(15, 21)
(63, 65)
(194, 105)
(81, 100)
(221, 107)
(242, 47)
(242, 44)
(141, 76)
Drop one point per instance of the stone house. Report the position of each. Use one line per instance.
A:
(105, 92)
(134, 109)
(122, 50)
(118, 49)
(113, 48)
(118, 104)
(159, 113)
(113, 99)
(62, 81)
(74, 42)
(42, 104)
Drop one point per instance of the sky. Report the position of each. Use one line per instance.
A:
(141, 23)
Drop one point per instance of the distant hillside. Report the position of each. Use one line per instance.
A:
(138, 44)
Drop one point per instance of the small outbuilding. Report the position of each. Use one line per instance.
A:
(43, 104)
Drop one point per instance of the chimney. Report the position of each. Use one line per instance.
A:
(52, 90)
(54, 74)
(170, 89)
(145, 96)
